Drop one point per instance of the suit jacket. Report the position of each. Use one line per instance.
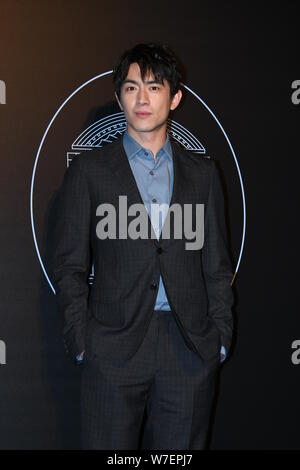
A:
(111, 317)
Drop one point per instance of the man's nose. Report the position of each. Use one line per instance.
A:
(142, 96)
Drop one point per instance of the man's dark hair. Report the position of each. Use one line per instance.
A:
(153, 57)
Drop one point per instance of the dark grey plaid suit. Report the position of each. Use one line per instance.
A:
(135, 359)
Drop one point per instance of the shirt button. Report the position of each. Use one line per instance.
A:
(146, 153)
(153, 285)
(154, 200)
(151, 172)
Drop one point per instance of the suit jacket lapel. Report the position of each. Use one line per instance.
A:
(120, 165)
(181, 183)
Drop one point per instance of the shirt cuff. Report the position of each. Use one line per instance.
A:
(223, 354)
(79, 357)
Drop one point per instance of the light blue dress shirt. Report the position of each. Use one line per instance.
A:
(155, 184)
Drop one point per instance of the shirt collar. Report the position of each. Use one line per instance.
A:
(132, 147)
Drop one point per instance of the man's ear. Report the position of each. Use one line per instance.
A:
(119, 103)
(176, 100)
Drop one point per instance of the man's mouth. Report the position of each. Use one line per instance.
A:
(142, 114)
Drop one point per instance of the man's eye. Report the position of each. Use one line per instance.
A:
(155, 88)
(130, 88)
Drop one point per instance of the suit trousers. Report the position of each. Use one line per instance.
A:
(161, 398)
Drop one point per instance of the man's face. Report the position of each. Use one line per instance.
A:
(147, 104)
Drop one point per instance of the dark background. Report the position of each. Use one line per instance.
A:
(242, 58)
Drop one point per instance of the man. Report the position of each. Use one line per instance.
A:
(157, 321)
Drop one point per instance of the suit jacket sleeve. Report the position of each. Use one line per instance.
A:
(217, 268)
(72, 256)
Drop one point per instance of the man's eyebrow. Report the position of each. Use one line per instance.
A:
(148, 82)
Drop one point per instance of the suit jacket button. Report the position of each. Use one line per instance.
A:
(159, 250)
(153, 285)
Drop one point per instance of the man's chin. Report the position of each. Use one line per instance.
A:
(148, 128)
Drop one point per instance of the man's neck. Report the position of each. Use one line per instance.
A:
(153, 141)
